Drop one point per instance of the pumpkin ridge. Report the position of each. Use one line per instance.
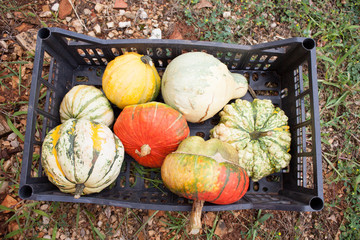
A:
(94, 118)
(83, 107)
(244, 176)
(243, 116)
(224, 183)
(74, 96)
(113, 162)
(263, 148)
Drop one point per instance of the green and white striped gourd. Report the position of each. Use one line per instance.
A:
(81, 156)
(260, 134)
(86, 102)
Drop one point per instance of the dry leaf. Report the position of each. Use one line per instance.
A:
(221, 228)
(209, 219)
(9, 202)
(24, 27)
(203, 4)
(176, 34)
(333, 218)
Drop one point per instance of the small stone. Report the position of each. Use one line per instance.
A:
(15, 143)
(46, 220)
(155, 34)
(113, 219)
(142, 14)
(9, 15)
(151, 233)
(87, 11)
(110, 24)
(273, 25)
(44, 207)
(45, 14)
(155, 25)
(77, 25)
(68, 19)
(4, 127)
(129, 32)
(115, 32)
(97, 29)
(226, 14)
(124, 24)
(55, 7)
(65, 9)
(47, 237)
(62, 236)
(3, 186)
(4, 45)
(146, 31)
(120, 4)
(111, 35)
(91, 34)
(130, 15)
(122, 12)
(12, 137)
(67, 238)
(99, 223)
(99, 7)
(82, 232)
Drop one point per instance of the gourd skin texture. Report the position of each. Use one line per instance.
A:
(260, 134)
(205, 171)
(81, 152)
(87, 102)
(127, 80)
(150, 131)
(199, 85)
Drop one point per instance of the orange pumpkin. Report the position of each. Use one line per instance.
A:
(150, 131)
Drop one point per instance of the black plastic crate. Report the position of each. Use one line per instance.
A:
(282, 71)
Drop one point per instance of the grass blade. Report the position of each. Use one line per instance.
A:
(144, 224)
(352, 49)
(53, 237)
(13, 233)
(14, 129)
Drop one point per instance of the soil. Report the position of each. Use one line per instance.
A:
(74, 221)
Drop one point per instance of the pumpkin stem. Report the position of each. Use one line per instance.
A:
(195, 217)
(79, 188)
(145, 150)
(146, 59)
(256, 135)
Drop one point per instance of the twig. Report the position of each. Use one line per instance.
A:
(251, 91)
(355, 137)
(81, 22)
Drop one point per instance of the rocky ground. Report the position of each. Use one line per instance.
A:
(113, 19)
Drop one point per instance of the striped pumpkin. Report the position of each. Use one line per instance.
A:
(131, 79)
(81, 157)
(150, 131)
(204, 171)
(260, 133)
(86, 102)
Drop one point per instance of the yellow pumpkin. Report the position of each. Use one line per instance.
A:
(131, 79)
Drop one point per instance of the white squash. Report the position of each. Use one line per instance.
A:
(86, 102)
(199, 85)
(81, 156)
